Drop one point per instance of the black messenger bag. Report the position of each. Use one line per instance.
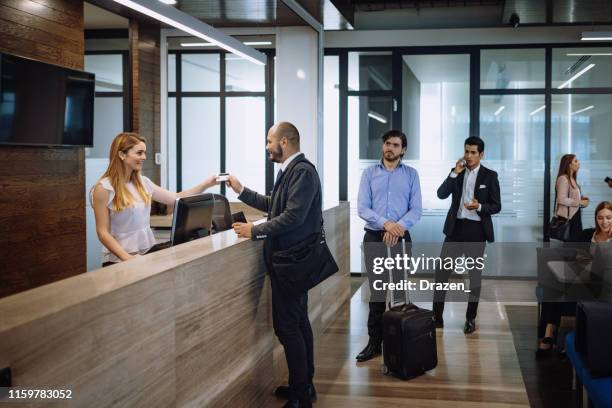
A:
(304, 265)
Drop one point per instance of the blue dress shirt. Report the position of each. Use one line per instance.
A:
(389, 195)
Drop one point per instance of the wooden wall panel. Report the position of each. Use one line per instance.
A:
(42, 205)
(146, 119)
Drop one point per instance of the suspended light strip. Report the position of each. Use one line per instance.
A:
(377, 116)
(583, 110)
(537, 110)
(195, 27)
(499, 110)
(168, 1)
(569, 81)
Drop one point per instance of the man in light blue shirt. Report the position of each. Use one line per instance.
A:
(390, 202)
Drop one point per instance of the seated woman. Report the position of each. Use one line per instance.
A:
(552, 311)
(603, 224)
(121, 200)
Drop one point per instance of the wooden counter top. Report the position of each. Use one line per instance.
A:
(36, 303)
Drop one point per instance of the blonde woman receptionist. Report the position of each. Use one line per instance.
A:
(121, 200)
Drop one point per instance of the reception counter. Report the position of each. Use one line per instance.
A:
(187, 326)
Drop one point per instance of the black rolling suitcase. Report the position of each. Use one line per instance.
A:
(409, 336)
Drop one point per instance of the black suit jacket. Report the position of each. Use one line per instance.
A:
(294, 208)
(488, 196)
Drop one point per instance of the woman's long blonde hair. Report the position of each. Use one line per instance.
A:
(116, 172)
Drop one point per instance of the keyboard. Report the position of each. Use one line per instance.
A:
(160, 246)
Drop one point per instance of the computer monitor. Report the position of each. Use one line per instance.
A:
(192, 218)
(222, 215)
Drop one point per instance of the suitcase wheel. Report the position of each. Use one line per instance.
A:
(385, 370)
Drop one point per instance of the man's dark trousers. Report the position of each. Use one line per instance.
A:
(292, 327)
(378, 308)
(472, 234)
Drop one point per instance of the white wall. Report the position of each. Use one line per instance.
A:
(297, 82)
(463, 36)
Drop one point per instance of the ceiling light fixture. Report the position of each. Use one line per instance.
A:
(569, 81)
(590, 54)
(377, 116)
(168, 1)
(596, 36)
(583, 110)
(206, 44)
(537, 110)
(198, 45)
(499, 110)
(195, 27)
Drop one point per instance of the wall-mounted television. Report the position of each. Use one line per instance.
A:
(44, 105)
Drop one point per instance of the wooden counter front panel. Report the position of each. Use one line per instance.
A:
(198, 335)
(116, 349)
(224, 337)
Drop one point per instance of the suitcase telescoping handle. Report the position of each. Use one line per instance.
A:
(406, 298)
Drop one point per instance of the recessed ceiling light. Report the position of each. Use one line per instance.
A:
(537, 110)
(588, 54)
(596, 36)
(193, 26)
(569, 81)
(201, 44)
(257, 43)
(377, 116)
(168, 1)
(583, 110)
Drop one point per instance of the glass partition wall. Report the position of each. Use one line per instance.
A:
(581, 119)
(530, 103)
(111, 117)
(511, 118)
(219, 109)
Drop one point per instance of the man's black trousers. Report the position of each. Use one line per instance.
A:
(470, 233)
(292, 327)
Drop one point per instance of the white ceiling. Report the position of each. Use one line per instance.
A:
(97, 18)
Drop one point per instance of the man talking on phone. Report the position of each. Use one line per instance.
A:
(475, 197)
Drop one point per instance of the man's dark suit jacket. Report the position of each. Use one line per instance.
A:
(488, 196)
(294, 208)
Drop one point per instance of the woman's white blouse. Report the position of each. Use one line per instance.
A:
(131, 227)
